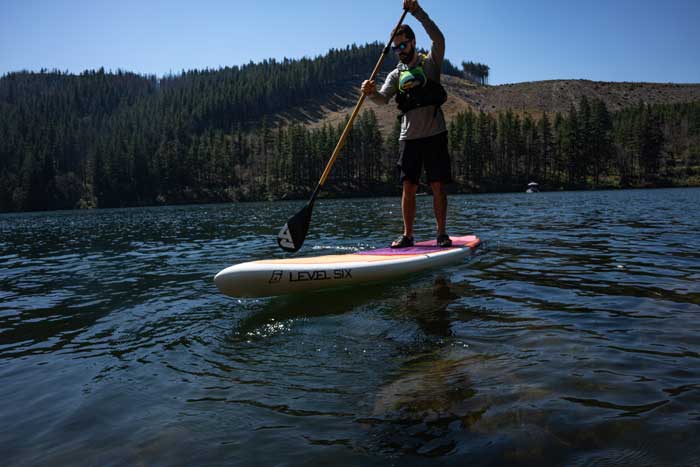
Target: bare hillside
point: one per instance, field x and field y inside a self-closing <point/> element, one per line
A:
<point x="558" y="95"/>
<point x="534" y="97"/>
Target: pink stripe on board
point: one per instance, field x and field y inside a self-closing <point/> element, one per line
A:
<point x="422" y="248"/>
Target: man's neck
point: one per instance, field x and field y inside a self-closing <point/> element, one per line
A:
<point x="414" y="61"/>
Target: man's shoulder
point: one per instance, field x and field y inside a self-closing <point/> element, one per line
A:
<point x="430" y="60"/>
<point x="393" y="74"/>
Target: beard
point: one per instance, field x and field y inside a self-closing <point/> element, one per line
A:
<point x="407" y="57"/>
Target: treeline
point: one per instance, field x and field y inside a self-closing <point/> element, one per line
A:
<point x="119" y="139"/>
<point x="585" y="148"/>
<point x="476" y="72"/>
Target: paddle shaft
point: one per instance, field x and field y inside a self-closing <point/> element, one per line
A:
<point x="344" y="135"/>
<point x="292" y="235"/>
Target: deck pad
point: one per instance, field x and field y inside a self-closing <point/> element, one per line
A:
<point x="422" y="248"/>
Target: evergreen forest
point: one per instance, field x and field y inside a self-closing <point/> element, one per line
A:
<point x="115" y="139"/>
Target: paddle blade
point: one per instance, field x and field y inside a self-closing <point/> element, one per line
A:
<point x="292" y="235"/>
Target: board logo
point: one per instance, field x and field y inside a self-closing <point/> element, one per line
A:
<point x="275" y="277"/>
<point x="333" y="274"/>
<point x="284" y="238"/>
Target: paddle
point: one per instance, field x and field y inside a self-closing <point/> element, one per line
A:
<point x="292" y="235"/>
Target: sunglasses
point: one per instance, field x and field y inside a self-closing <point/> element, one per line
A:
<point x="401" y="46"/>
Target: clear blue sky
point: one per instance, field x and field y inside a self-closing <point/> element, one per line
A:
<point x="521" y="40"/>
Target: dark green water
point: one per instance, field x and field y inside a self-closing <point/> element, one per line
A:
<point x="575" y="340"/>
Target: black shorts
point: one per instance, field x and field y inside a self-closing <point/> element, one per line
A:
<point x="430" y="152"/>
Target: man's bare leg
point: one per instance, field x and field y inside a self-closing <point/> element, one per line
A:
<point x="439" y="207"/>
<point x="408" y="207"/>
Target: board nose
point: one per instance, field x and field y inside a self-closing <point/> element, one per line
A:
<point x="220" y="280"/>
<point x="217" y="280"/>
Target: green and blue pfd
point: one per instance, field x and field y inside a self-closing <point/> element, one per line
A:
<point x="417" y="90"/>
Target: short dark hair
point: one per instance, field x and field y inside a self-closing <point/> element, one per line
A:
<point x="406" y="30"/>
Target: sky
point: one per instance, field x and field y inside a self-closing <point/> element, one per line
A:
<point x="521" y="40"/>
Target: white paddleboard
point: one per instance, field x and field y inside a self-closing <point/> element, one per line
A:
<point x="282" y="276"/>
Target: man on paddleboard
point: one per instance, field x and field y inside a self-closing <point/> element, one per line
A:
<point x="423" y="141"/>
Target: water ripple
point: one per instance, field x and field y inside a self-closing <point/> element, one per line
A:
<point x="573" y="341"/>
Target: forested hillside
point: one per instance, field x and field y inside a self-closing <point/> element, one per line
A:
<point x="265" y="131"/>
<point x="642" y="146"/>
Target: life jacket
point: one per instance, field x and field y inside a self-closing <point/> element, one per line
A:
<point x="417" y="90"/>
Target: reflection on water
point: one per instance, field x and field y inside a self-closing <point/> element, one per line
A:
<point x="573" y="341"/>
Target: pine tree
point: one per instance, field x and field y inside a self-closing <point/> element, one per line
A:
<point x="586" y="146"/>
<point x="651" y="141"/>
<point x="485" y="147"/>
<point x="470" y="159"/>
<point x="531" y="147"/>
<point x="545" y="151"/>
<point x="602" y="149"/>
<point x="560" y="149"/>
<point x="571" y="148"/>
<point x="391" y="153"/>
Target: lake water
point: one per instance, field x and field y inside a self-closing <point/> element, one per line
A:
<point x="574" y="340"/>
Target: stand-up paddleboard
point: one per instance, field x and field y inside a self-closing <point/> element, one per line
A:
<point x="282" y="276"/>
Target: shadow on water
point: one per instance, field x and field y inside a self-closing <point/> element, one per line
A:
<point x="414" y="413"/>
<point x="447" y="400"/>
<point x="422" y="297"/>
<point x="310" y="305"/>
